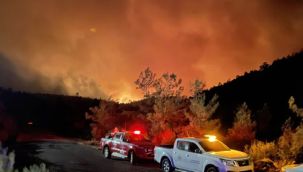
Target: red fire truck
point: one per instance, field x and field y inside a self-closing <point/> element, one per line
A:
<point x="131" y="145"/>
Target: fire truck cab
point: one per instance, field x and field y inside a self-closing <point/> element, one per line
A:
<point x="127" y="145"/>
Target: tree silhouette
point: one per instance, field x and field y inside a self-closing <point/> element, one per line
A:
<point x="146" y="82"/>
<point x="243" y="127"/>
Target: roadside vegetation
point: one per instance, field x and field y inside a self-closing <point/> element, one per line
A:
<point x="7" y="161"/>
<point x="286" y="150"/>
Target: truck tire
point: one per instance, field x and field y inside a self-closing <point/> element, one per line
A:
<point x="132" y="158"/>
<point x="106" y="152"/>
<point x="166" y="165"/>
<point x="211" y="169"/>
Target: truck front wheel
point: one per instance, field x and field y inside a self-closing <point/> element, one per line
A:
<point x="166" y="165"/>
<point x="132" y="158"/>
<point x="211" y="169"/>
<point x="106" y="152"/>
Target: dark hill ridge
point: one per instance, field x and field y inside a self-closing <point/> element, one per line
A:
<point x="50" y="113"/>
<point x="266" y="92"/>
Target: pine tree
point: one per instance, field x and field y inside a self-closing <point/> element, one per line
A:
<point x="243" y="127"/>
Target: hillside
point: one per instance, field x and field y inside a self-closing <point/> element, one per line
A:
<point x="266" y="92"/>
<point x="59" y="114"/>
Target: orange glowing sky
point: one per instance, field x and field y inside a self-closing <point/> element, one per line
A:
<point x="98" y="47"/>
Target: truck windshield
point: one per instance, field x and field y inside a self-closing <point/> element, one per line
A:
<point x="214" y="146"/>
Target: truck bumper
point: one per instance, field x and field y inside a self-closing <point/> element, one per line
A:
<point x="249" y="168"/>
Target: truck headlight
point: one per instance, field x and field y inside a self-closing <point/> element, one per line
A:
<point x="229" y="162"/>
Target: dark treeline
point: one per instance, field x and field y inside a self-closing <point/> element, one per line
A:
<point x="57" y="114"/>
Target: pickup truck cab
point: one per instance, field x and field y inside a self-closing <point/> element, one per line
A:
<point x="203" y="155"/>
<point x="127" y="145"/>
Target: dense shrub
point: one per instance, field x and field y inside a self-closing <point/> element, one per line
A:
<point x="286" y="150"/>
<point x="36" y="168"/>
<point x="102" y="118"/>
<point x="261" y="150"/>
<point x="7" y="160"/>
<point x="243" y="129"/>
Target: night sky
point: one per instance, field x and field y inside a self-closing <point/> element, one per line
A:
<point x="98" y="48"/>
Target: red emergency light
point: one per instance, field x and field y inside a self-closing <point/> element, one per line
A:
<point x="137" y="132"/>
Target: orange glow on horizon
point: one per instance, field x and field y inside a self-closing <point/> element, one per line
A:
<point x="98" y="49"/>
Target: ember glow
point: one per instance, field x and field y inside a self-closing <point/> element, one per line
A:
<point x="98" y="47"/>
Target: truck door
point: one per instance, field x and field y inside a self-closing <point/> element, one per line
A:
<point x="124" y="145"/>
<point x="116" y="144"/>
<point x="179" y="154"/>
<point x="194" y="158"/>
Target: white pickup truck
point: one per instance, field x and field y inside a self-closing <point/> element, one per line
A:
<point x="203" y="155"/>
<point x="293" y="168"/>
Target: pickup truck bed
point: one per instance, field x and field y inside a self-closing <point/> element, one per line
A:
<point x="163" y="150"/>
<point x="166" y="146"/>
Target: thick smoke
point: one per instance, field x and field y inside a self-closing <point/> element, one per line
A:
<point x="19" y="77"/>
<point x="108" y="42"/>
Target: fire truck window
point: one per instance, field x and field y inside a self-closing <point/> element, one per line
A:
<point x="117" y="136"/>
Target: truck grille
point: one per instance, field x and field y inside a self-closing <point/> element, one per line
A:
<point x="243" y="162"/>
